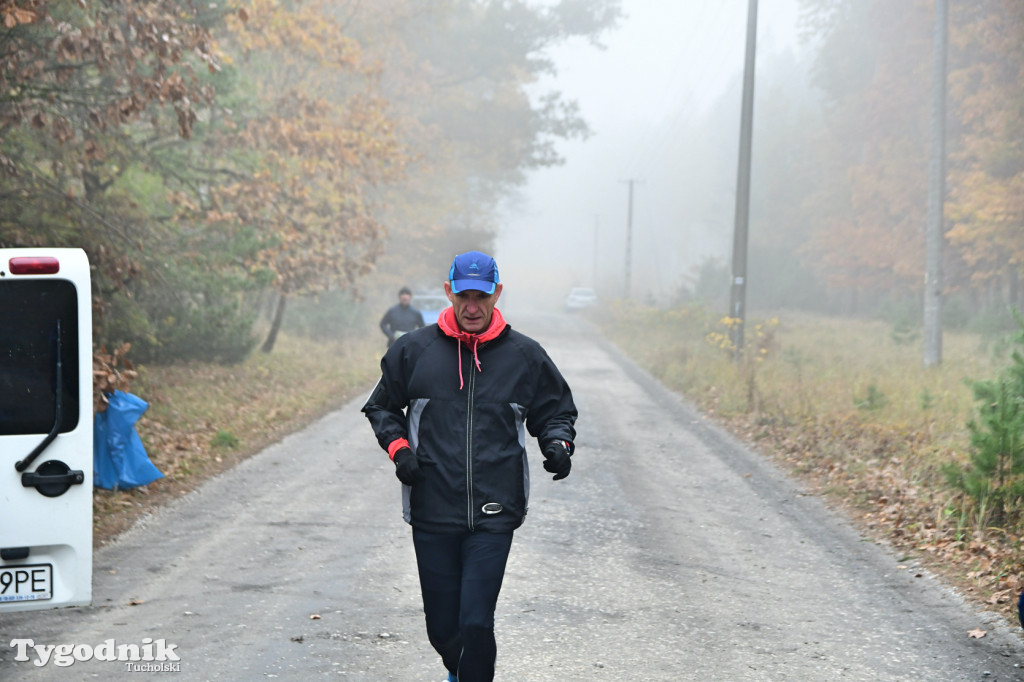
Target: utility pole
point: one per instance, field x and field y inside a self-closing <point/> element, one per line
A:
<point x="629" y="242"/>
<point x="936" y="192"/>
<point x="738" y="291"/>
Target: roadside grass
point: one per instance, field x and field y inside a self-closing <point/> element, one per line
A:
<point x="846" y="405"/>
<point x="204" y="418"/>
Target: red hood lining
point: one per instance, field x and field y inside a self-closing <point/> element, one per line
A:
<point x="449" y="325"/>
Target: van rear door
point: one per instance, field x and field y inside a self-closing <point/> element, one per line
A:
<point x="46" y="427"/>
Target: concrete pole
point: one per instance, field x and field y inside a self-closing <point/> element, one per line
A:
<point x="738" y="291"/>
<point x="936" y="193"/>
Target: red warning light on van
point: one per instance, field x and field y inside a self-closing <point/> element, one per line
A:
<point x="34" y="265"/>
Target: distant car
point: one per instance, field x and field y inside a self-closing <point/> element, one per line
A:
<point x="431" y="305"/>
<point x="580" y="298"/>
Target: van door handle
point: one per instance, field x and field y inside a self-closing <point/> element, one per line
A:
<point x="52" y="478"/>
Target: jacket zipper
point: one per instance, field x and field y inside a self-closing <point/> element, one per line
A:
<point x="469" y="446"/>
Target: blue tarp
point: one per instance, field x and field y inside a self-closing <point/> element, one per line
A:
<point x="119" y="458"/>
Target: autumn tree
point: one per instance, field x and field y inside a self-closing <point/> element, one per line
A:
<point x="986" y="202"/>
<point x="293" y="153"/>
<point x="78" y="80"/>
<point x="203" y="153"/>
<point x="114" y="139"/>
<point x="461" y="77"/>
<point x="94" y="93"/>
<point x="869" y="204"/>
<point x="870" y="197"/>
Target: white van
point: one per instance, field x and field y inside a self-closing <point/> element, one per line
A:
<point x="46" y="427"/>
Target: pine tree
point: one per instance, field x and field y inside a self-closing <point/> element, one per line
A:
<point x="994" y="475"/>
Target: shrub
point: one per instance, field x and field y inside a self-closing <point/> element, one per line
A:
<point x="927" y="400"/>
<point x="993" y="478"/>
<point x="873" y="400"/>
<point x="331" y="315"/>
<point x="225" y="439"/>
<point x="184" y="314"/>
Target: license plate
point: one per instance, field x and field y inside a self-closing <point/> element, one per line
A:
<point x="31" y="582"/>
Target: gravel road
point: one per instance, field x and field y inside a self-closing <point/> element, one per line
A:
<point x="672" y="553"/>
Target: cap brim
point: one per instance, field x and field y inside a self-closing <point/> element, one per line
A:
<point x="463" y="284"/>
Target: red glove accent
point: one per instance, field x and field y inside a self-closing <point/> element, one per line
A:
<point x="396" y="445"/>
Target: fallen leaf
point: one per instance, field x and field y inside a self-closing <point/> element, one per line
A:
<point x="976" y="634"/>
<point x="314" y="616"/>
<point x="999" y="597"/>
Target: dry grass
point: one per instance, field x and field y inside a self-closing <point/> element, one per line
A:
<point x="812" y="366"/>
<point x="847" y="406"/>
<point x="203" y="418"/>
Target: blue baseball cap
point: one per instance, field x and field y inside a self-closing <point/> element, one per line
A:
<point x="473" y="270"/>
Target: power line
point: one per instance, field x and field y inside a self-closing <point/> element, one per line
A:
<point x="658" y="144"/>
<point x="685" y="59"/>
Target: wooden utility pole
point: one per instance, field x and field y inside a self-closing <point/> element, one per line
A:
<point x="936" y="192"/>
<point x="738" y="292"/>
<point x="629" y="242"/>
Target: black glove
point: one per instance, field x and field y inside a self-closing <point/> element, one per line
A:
<point x="556" y="459"/>
<point x="406" y="467"/>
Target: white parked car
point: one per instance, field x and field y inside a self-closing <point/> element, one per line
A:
<point x="430" y="305"/>
<point x="580" y="298"/>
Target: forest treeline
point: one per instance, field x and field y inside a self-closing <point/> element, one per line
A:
<point x="213" y="156"/>
<point x="205" y="154"/>
<point x="841" y="172"/>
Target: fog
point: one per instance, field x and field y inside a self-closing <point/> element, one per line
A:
<point x="663" y="104"/>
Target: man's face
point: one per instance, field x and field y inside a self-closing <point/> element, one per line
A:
<point x="473" y="309"/>
<point x="405" y="300"/>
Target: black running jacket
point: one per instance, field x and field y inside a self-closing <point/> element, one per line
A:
<point x="465" y="406"/>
